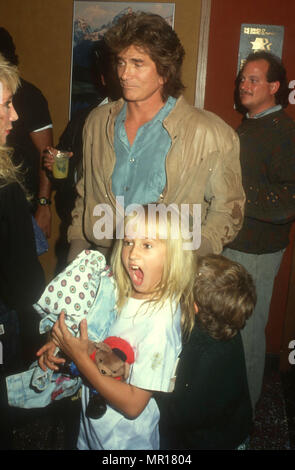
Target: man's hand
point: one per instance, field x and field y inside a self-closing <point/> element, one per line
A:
<point x="43" y="219"/>
<point x="48" y="157"/>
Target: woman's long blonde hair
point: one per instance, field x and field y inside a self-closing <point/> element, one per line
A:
<point x="9" y="77"/>
<point x="178" y="274"/>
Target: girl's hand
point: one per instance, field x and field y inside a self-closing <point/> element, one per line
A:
<point x="47" y="359"/>
<point x="127" y="398"/>
<point x="75" y="348"/>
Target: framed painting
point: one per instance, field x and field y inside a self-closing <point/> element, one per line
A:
<point x="91" y="19"/>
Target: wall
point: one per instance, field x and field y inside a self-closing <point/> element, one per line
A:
<point x="42" y="32"/>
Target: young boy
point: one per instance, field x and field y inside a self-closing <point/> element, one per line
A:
<point x="210" y="407"/>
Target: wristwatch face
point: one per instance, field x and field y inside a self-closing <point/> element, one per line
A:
<point x="43" y="201"/>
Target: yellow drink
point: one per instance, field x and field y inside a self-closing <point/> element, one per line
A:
<point x="61" y="165"/>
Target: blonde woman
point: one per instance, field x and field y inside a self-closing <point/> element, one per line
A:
<point x="21" y="275"/>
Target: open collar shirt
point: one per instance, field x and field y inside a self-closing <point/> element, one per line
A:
<point x="140" y="174"/>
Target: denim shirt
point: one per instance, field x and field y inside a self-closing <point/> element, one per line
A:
<point x="139" y="174"/>
<point x="85" y="289"/>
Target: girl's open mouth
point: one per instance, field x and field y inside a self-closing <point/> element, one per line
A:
<point x="136" y="275"/>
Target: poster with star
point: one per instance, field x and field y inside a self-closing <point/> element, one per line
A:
<point x="257" y="37"/>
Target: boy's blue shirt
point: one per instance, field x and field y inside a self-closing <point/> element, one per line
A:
<point x="85" y="289"/>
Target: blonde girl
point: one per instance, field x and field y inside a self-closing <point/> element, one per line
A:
<point x="152" y="273"/>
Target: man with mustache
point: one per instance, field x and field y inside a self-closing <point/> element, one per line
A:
<point x="267" y="140"/>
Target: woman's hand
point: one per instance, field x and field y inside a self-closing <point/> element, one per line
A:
<point x="47" y="359"/>
<point x="74" y="348"/>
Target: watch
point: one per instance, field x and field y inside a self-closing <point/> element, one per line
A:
<point x="43" y="201"/>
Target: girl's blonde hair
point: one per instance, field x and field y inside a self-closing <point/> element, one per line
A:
<point x="178" y="273"/>
<point x="9" y="78"/>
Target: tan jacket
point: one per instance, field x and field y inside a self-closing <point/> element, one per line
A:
<point x="202" y="167"/>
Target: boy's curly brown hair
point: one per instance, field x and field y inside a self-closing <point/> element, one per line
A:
<point x="225" y="295"/>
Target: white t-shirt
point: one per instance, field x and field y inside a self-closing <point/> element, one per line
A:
<point x="155" y="336"/>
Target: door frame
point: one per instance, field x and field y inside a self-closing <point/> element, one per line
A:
<point x="203" y="54"/>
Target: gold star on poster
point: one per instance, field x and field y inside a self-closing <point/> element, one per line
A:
<point x="261" y="44"/>
<point x="257" y="37"/>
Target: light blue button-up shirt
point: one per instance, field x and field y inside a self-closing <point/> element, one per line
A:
<point x="273" y="109"/>
<point x="139" y="174"/>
